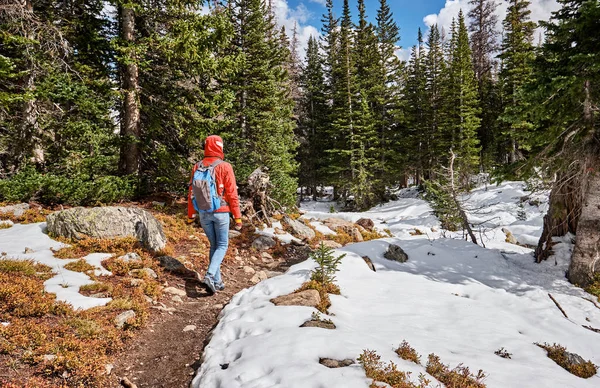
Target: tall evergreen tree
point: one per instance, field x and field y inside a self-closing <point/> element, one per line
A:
<point x="387" y="105"/>
<point x="263" y="134"/>
<point x="517" y="56"/>
<point x="343" y="168"/>
<point x="312" y="123"/>
<point x="564" y="103"/>
<point x="464" y="103"/>
<point x="415" y="107"/>
<point x="484" y="45"/>
<point x="435" y="115"/>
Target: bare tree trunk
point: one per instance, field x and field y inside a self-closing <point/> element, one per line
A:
<point x="461" y="212"/>
<point x="564" y="211"/>
<point x="585" y="261"/>
<point x="130" y="124"/>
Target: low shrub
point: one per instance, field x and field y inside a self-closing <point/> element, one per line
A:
<point x="406" y="352"/>
<point x="26" y="268"/>
<point x="96" y="288"/>
<point x="85" y="246"/>
<point x="558" y="354"/>
<point x="73" y="189"/>
<point x="387" y="373"/>
<point x="457" y="377"/>
<point x="79" y="266"/>
<point x="29" y="216"/>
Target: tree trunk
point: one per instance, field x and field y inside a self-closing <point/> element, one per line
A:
<point x="585" y="261"/>
<point x="564" y="211"/>
<point x="130" y="123"/>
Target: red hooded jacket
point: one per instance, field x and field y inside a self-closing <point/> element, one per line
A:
<point x="224" y="176"/>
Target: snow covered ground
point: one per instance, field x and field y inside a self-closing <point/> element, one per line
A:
<point x="14" y="242"/>
<point x="452" y="298"/>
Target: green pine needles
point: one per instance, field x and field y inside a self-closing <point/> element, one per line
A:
<point x="328" y="265"/>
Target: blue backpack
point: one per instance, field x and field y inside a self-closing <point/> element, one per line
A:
<point x="204" y="188"/>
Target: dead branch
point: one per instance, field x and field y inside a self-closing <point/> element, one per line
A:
<point x="591" y="328"/>
<point x="558" y="305"/>
<point x="592" y="302"/>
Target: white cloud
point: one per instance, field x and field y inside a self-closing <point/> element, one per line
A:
<point x="540" y="10"/>
<point x="288" y="17"/>
<point x="403" y="54"/>
<point x="322" y="2"/>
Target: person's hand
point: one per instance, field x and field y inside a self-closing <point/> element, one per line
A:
<point x="238" y="224"/>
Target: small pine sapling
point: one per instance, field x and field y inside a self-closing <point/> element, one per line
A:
<point x="328" y="264"/>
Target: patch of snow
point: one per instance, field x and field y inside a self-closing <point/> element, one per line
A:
<point x="65" y="284"/>
<point x="321" y="228"/>
<point x="453" y="298"/>
<point x="4" y="323"/>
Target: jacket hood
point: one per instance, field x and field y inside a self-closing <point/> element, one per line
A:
<point x="213" y="147"/>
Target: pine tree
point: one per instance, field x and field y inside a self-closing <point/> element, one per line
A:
<point x="263" y="134"/>
<point x="435" y="115"/>
<point x="343" y="167"/>
<point x="563" y="99"/>
<point x="517" y="56"/>
<point x="387" y="104"/>
<point x="369" y="170"/>
<point x="312" y="124"/>
<point x="464" y="104"/>
<point x="484" y="45"/>
<point x="415" y="104"/>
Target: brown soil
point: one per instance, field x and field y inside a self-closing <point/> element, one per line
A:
<point x="162" y="354"/>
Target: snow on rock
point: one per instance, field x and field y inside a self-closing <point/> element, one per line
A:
<point x="65" y="284"/>
<point x="453" y="298"/>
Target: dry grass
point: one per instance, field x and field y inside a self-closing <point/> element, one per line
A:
<point x="371" y="235"/>
<point x="557" y="353"/>
<point x="406" y="352"/>
<point x="96" y="288"/>
<point x="29" y="216"/>
<point x="79" y="266"/>
<point x="387" y="373"/>
<point x="5" y="225"/>
<point x="459" y="377"/>
<point x="342" y="237"/>
<point x="25" y="267"/>
<point x="83" y="247"/>
<point x="324" y="291"/>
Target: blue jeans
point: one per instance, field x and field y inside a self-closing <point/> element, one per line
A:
<point x="216" y="227"/>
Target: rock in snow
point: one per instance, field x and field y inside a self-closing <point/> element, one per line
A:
<point x="309" y="298"/>
<point x="108" y="222"/>
<point x="298" y="229"/>
<point x="395" y="253"/>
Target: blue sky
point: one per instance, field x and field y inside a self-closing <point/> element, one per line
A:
<point x="408" y="14"/>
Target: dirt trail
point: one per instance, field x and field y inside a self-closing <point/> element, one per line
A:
<point x="162" y="355"/>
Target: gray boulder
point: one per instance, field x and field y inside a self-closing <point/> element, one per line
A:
<point x="395" y="253"/>
<point x="299" y="229"/>
<point x="108" y="222"/>
<point x="331" y="363"/>
<point x="263" y="243"/>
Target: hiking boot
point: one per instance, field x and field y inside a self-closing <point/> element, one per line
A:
<point x="220" y="286"/>
<point x="210" y="284"/>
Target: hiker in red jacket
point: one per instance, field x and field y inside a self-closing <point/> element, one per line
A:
<point x="216" y="223"/>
